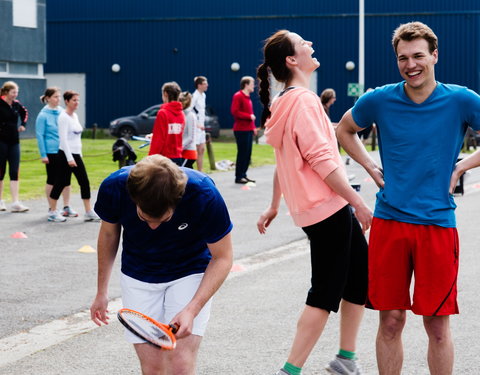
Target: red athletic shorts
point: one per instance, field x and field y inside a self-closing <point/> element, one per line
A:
<point x="396" y="250"/>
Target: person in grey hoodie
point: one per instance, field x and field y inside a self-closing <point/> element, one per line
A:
<point x="46" y="129"/>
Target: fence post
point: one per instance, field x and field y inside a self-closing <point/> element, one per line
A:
<point x="94" y="130"/>
<point x="211" y="156"/>
<point x="374" y="137"/>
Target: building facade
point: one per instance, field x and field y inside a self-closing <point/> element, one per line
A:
<point x="23" y="52"/>
<point x="125" y="50"/>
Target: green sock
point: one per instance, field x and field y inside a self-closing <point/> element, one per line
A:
<point x="346" y="354"/>
<point x="291" y="369"/>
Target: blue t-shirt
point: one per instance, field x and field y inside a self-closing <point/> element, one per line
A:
<point x="178" y="247"/>
<point x="419" y="146"/>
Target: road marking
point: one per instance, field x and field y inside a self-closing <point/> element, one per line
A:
<point x="21" y="345"/>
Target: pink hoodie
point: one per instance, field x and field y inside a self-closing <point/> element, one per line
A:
<point x="306" y="152"/>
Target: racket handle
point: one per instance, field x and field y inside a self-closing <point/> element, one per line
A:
<point x="174" y="327"/>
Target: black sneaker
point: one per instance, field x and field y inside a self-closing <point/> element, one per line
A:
<point x="242" y="180"/>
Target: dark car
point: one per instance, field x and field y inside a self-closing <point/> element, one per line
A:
<point x="143" y="123"/>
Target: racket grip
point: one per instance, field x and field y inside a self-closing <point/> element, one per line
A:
<point x="174" y="327"/>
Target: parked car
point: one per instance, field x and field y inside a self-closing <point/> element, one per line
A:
<point x="142" y="123"/>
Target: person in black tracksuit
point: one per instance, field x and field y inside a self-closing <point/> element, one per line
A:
<point x="12" y="112"/>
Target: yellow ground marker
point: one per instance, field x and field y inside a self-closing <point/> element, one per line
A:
<point x="87" y="249"/>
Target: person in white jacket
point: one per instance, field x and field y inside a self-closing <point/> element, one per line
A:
<point x="198" y="106"/>
<point x="70" y="156"/>
<point x="189" y="153"/>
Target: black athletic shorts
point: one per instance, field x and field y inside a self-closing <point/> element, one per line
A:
<point x="339" y="260"/>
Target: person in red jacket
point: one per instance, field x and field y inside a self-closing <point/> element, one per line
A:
<point x="169" y="124"/>
<point x="243" y="128"/>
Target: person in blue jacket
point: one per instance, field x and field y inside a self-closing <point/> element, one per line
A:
<point x="46" y="129"/>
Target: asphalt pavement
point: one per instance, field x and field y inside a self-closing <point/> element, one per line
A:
<point x="47" y="285"/>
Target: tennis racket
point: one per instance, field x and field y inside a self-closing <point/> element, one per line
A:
<point x="137" y="138"/>
<point x="155" y="333"/>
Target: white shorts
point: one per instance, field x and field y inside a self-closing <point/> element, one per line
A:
<point x="200" y="137"/>
<point x="163" y="301"/>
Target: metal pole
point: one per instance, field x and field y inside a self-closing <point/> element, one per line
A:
<point x="361" y="44"/>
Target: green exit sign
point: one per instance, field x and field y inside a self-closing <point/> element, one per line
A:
<point x="355" y="89"/>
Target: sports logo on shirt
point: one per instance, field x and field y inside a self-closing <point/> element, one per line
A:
<point x="182" y="226"/>
<point x="175" y="128"/>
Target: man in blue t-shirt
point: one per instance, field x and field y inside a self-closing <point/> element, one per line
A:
<point x="421" y="125"/>
<point x="176" y="252"/>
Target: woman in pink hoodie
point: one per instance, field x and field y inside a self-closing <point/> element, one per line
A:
<point x="311" y="176"/>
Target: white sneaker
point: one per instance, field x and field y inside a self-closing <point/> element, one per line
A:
<point x="56" y="217"/>
<point x="91" y="216"/>
<point x="18" y="207"/>
<point x="3" y="207"/>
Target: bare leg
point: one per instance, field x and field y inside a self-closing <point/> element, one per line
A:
<point x="87" y="205"/>
<point x="389" y="342"/>
<point x="1" y="190"/>
<point x="350" y="318"/>
<point x="181" y="361"/>
<point x="440" y="344"/>
<point x="200" y="152"/>
<point x="14" y="187"/>
<point x="309" y="328"/>
<point x="66" y="195"/>
<point x="52" y="203"/>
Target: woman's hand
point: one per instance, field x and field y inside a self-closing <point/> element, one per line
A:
<point x="265" y="219"/>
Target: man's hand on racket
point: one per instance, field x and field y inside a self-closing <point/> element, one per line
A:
<point x="266" y="219"/>
<point x="184" y="321"/>
<point x="98" y="310"/>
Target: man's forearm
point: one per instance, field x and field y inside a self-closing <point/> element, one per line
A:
<point x="107" y="247"/>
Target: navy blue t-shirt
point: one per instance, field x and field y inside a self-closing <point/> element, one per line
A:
<point x="419" y="146"/>
<point x="178" y="247"/>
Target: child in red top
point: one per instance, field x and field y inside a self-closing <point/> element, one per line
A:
<point x="169" y="124"/>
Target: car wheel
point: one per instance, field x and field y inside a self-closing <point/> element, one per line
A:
<point x="126" y="132"/>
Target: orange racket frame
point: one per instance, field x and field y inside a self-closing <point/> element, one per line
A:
<point x="169" y="330"/>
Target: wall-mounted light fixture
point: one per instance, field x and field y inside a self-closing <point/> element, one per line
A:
<point x="115" y="68"/>
<point x="350" y="65"/>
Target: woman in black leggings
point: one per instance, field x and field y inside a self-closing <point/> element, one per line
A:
<point x="70" y="157"/>
<point x="11" y="113"/>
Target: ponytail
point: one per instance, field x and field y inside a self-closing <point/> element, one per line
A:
<point x="276" y="49"/>
<point x="264" y="92"/>
<point x="49" y="92"/>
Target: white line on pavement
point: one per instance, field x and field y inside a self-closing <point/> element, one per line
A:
<point x="18" y="346"/>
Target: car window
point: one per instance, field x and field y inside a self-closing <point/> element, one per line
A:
<point x="152" y="112"/>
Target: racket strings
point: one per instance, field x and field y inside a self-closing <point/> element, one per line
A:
<point x="147" y="329"/>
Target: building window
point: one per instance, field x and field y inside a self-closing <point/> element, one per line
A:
<point x="20" y="70"/>
<point x="25" y="13"/>
<point x="23" y="68"/>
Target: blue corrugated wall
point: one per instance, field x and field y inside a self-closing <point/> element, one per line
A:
<point x="154" y="44"/>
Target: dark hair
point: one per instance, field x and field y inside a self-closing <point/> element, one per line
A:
<point x="172" y="89"/>
<point x="326" y="95"/>
<point x="414" y="30"/>
<point x="156" y="185"/>
<point x="199" y="80"/>
<point x="69" y="94"/>
<point x="277" y="47"/>
<point x="49" y="92"/>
